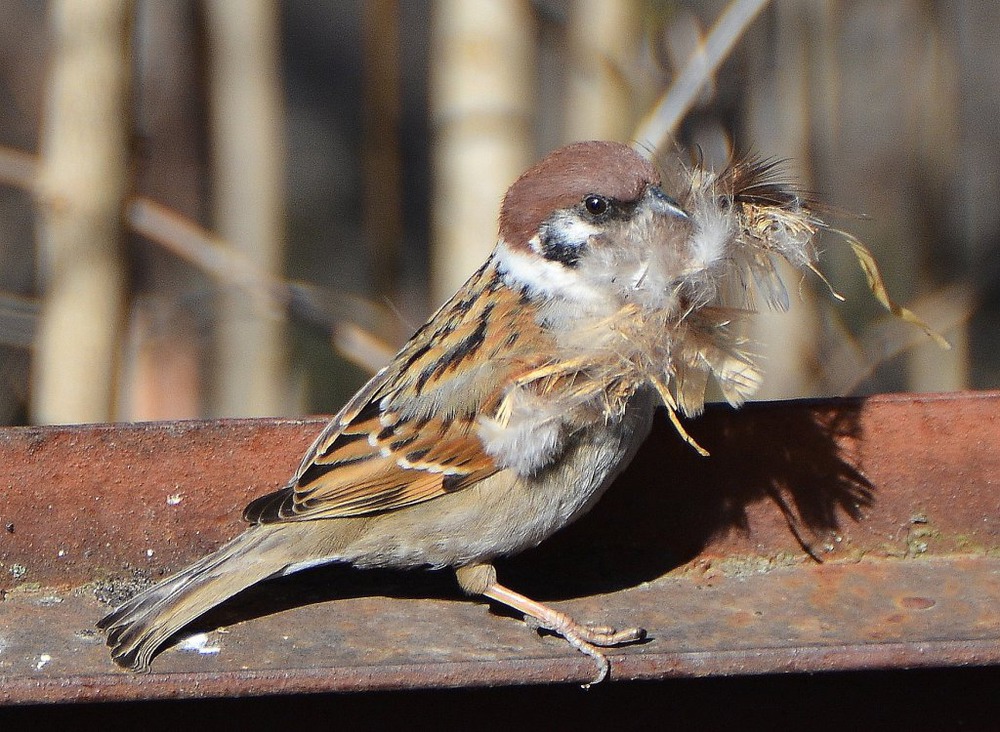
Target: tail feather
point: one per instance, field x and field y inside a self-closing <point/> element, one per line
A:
<point x="137" y="629"/>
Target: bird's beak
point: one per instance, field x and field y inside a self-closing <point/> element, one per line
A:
<point x="664" y="204"/>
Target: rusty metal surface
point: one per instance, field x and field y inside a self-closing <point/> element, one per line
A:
<point x="898" y="494"/>
<point x="80" y="501"/>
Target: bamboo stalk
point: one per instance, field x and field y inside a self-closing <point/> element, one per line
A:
<point x="248" y="157"/>
<point x="603" y="34"/>
<point x="81" y="186"/>
<point x="482" y="96"/>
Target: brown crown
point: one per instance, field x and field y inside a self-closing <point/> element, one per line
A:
<point x="562" y="179"/>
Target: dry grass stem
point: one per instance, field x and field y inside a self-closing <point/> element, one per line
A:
<point x="655" y="130"/>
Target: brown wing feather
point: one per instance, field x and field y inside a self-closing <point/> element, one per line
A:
<point x="385" y="450"/>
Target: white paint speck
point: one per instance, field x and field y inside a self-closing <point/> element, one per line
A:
<point x="150" y="552"/>
<point x="62" y="552"/>
<point x="197" y="643"/>
<point x="174" y="498"/>
<point x="43" y="661"/>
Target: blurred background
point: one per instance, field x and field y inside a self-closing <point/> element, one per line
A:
<point x="242" y="207"/>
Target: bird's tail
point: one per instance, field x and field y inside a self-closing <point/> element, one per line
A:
<point x="139" y="627"/>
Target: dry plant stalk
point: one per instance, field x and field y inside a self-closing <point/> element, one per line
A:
<point x="248" y="150"/>
<point x="81" y="186"/>
<point x="600" y="103"/>
<point x="482" y="74"/>
<point x="660" y="123"/>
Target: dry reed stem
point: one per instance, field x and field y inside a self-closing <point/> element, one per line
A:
<point x="80" y="188"/>
<point x="657" y="127"/>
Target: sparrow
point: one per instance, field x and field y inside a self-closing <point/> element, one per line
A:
<point x="510" y="412"/>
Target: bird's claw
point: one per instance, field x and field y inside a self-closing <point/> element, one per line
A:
<point x="589" y="640"/>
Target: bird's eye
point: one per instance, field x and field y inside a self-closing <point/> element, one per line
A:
<point x="595" y="205"/>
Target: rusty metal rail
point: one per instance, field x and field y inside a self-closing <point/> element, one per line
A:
<point x="898" y="495"/>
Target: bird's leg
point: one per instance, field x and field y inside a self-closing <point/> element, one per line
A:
<point x="480" y="579"/>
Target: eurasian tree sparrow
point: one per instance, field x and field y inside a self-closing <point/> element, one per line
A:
<point x="509" y="413"/>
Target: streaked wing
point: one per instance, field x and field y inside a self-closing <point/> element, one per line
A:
<point x="410" y="434"/>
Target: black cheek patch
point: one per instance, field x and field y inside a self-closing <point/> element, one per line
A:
<point x="560" y="248"/>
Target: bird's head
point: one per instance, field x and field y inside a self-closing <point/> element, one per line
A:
<point x="621" y="272"/>
<point x="591" y="224"/>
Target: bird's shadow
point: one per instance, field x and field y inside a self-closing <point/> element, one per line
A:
<point x="671" y="503"/>
<point x="661" y="513"/>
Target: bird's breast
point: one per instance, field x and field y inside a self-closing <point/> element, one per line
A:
<point x="507" y="513"/>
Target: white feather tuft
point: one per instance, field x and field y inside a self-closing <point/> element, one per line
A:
<point x="712" y="237"/>
<point x="526" y="434"/>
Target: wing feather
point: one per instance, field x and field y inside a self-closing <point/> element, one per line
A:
<point x="385" y="450"/>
